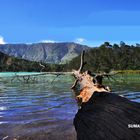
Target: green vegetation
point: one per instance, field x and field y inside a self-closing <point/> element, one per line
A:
<point x="8" y="63"/>
<point x="110" y="57"/>
<point x="128" y="71"/>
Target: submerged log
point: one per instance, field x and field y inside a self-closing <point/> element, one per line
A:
<point x="107" y="116"/>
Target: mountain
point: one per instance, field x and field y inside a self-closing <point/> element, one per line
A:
<point x="44" y="52"/>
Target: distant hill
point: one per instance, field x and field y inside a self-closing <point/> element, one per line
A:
<point x="44" y="52"/>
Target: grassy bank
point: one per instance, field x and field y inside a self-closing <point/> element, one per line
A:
<point x="128" y="71"/>
<point x="127" y="76"/>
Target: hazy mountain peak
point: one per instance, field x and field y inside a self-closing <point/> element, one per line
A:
<point x="44" y="52"/>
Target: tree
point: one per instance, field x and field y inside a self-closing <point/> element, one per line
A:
<point x="122" y="44"/>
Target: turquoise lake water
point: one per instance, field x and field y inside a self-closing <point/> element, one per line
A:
<point x="10" y="74"/>
<point x="44" y="107"/>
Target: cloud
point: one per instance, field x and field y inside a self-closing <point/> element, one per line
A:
<point x="2" y="40"/>
<point x="47" y="41"/>
<point x="80" y="40"/>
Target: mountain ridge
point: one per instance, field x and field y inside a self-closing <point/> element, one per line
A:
<point x="44" y="52"/>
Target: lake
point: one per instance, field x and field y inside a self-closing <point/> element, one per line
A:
<point x="43" y="108"/>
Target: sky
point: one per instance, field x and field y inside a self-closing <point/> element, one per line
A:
<point x="89" y="22"/>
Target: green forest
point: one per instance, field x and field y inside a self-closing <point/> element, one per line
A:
<point x="109" y="57"/>
<point x="9" y="63"/>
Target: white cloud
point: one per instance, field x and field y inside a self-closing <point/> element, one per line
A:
<point x="47" y="41"/>
<point x="80" y="40"/>
<point x="2" y="40"/>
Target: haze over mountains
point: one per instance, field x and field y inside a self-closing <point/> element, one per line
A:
<point x="44" y="52"/>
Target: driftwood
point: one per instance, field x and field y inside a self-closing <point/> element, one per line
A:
<point x="26" y="78"/>
<point x="88" y="84"/>
<point x="103" y="115"/>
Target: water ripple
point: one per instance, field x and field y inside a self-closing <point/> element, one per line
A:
<point x="27" y="109"/>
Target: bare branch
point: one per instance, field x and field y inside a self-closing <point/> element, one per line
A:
<point x="43" y="67"/>
<point x="76" y="73"/>
<point x="82" y="61"/>
<point x="108" y="74"/>
<point x="99" y="76"/>
<point x="74" y="84"/>
<point x="57" y="75"/>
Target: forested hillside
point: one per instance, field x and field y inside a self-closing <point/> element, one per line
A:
<point x="110" y="57"/>
<point x="8" y="63"/>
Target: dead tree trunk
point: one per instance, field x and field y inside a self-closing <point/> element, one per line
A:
<point x="103" y="115"/>
<point x="88" y="84"/>
<point x="107" y="116"/>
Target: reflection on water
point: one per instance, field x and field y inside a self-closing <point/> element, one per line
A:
<point x="44" y="110"/>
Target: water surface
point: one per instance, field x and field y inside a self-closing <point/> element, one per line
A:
<point x="44" y="108"/>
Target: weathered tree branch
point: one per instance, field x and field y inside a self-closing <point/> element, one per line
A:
<point x="79" y="70"/>
<point x="43" y="67"/>
<point x="74" y="84"/>
<point x="82" y="61"/>
<point x="88" y="83"/>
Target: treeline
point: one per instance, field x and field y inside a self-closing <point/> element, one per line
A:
<point x="109" y="57"/>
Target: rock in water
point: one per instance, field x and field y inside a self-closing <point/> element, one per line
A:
<point x="107" y="116"/>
